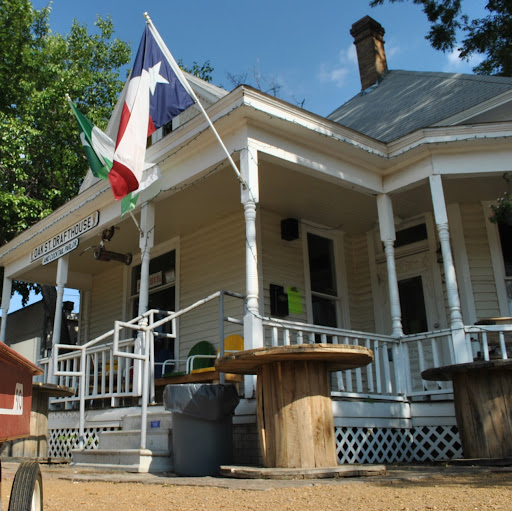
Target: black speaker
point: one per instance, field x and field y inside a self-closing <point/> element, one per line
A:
<point x="289" y="229"/>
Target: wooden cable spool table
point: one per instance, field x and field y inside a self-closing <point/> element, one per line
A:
<point x="482" y="395"/>
<point x="294" y="408"/>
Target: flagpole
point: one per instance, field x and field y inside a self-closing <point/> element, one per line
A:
<point x="190" y="91"/>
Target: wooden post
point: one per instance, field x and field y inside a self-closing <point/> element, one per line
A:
<point x="296" y="425"/>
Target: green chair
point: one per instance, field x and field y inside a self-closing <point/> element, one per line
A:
<point x="201" y="355"/>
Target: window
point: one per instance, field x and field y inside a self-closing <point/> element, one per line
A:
<point x="322" y="276"/>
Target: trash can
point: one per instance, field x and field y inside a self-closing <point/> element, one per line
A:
<point x="201" y="426"/>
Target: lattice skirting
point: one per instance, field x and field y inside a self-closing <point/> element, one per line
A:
<point x="392" y="445"/>
<point x="62" y="441"/>
<point x="353" y="444"/>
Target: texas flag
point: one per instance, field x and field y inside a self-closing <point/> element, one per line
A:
<point x="154" y="96"/>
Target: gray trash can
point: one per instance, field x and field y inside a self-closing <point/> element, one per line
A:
<point x="201" y="426"/>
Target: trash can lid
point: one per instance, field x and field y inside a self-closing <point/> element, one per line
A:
<point x="206" y="401"/>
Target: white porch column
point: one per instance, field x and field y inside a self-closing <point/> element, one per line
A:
<point x="146" y="242"/>
<point x="387" y="236"/>
<point x="6" y="301"/>
<point x="62" y="278"/>
<point x="462" y="350"/>
<point x="253" y="328"/>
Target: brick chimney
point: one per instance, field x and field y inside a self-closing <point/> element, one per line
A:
<point x="368" y="38"/>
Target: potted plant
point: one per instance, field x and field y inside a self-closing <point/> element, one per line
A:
<point x="502" y="211"/>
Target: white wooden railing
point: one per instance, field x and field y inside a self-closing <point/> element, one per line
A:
<point x="490" y="342"/>
<point x="380" y="379"/>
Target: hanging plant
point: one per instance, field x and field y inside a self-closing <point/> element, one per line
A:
<point x="502" y="211"/>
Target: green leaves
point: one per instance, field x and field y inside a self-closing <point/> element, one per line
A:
<point x="41" y="158"/>
<point x="490" y="36"/>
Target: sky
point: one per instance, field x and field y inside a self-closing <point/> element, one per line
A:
<point x="304" y="46"/>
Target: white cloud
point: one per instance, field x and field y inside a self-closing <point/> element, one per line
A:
<point x="454" y="64"/>
<point x="338" y="72"/>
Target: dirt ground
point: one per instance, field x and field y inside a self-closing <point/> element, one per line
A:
<point x="402" y="489"/>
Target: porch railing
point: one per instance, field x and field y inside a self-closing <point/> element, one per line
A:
<point x="489" y="342"/>
<point x="379" y="380"/>
<point x="114" y="367"/>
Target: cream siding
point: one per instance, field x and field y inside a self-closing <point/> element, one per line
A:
<point x="359" y="283"/>
<point x="106" y="304"/>
<point x="212" y="259"/>
<point x="283" y="262"/>
<point x="479" y="259"/>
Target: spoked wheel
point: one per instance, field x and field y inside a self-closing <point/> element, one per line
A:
<point x="27" y="488"/>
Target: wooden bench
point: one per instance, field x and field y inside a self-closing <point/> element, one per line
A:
<point x="200" y="377"/>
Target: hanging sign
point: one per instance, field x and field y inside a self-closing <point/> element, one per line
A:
<point x="65" y="249"/>
<point x="65" y="237"/>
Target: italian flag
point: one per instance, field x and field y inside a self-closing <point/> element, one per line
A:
<point x="99" y="148"/>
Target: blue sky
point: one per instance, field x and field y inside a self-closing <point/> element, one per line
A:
<point x="304" y="46"/>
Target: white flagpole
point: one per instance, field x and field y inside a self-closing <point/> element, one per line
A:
<point x="188" y="88"/>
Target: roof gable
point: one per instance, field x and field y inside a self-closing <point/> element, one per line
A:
<point x="405" y="101"/>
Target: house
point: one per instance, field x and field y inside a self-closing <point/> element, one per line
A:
<point x="369" y="227"/>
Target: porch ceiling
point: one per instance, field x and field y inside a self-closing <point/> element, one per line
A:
<point x="293" y="193"/>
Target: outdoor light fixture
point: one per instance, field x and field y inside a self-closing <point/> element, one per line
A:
<point x="101" y="254"/>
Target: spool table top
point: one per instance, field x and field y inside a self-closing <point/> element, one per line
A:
<point x="446" y="373"/>
<point x="337" y="357"/>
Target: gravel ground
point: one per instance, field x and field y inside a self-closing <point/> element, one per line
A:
<point x="404" y="488"/>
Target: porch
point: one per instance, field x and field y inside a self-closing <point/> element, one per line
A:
<point x="384" y="412"/>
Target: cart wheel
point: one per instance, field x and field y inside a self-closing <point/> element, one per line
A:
<point x="27" y="488"/>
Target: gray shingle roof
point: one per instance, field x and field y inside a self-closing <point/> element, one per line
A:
<point x="405" y="101"/>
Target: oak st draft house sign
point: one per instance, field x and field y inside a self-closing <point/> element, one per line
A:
<point x="65" y="241"/>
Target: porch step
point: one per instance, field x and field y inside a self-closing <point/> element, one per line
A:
<point x="128" y="460"/>
<point x="156" y="420"/>
<point x="156" y="439"/>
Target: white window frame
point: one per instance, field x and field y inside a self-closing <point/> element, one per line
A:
<point x="337" y="237"/>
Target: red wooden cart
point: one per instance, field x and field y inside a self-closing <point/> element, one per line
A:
<point x="16" y="374"/>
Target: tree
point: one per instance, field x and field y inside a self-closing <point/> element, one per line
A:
<point x="490" y="36"/>
<point x="41" y="158"/>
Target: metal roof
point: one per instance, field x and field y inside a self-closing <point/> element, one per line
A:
<point x="405" y="101"/>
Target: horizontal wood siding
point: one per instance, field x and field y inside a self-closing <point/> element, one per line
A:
<point x="479" y="259"/>
<point x="282" y="261"/>
<point x="211" y="259"/>
<point x="359" y="283"/>
<point x="106" y="304"/>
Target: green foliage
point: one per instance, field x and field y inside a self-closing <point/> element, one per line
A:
<point x="490" y="36"/>
<point x="502" y="211"/>
<point x="41" y="158"/>
<point x="203" y="71"/>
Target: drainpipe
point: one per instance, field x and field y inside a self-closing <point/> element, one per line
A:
<point x="6" y="301"/>
<point x="461" y="349"/>
<point x="253" y="328"/>
<point x="62" y="278"/>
